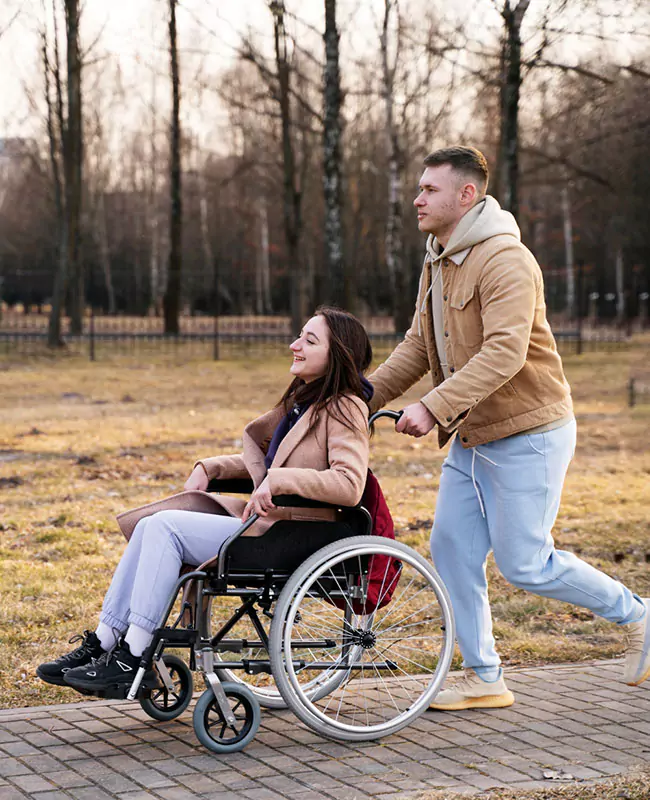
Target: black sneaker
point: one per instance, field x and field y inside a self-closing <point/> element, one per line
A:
<point x="54" y="671"/>
<point x="116" y="668"/>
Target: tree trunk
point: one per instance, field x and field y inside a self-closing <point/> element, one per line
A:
<point x="172" y="298"/>
<point x="54" y="338"/>
<point x="66" y="148"/>
<point x="292" y="205"/>
<point x="568" y="255"/>
<point x="394" y="239"/>
<point x="73" y="166"/>
<point x="263" y="271"/>
<point x="104" y="251"/>
<point x="337" y="277"/>
<point x="620" y="286"/>
<point x="508" y="164"/>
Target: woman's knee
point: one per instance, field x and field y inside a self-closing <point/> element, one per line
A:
<point x="160" y="529"/>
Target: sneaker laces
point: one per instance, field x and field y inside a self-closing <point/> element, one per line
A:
<point x="466" y="682"/>
<point x="634" y="633"/>
<point x="107" y="655"/>
<point x="84" y="639"/>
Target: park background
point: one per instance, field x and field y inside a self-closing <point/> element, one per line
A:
<point x="181" y="183"/>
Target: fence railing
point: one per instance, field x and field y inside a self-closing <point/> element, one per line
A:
<point x="203" y="337"/>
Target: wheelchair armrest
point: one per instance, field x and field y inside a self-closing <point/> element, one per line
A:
<point x="296" y="501"/>
<point x="231" y="486"/>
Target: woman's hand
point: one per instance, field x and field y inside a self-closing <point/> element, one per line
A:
<point x="197" y="480"/>
<point x="261" y="501"/>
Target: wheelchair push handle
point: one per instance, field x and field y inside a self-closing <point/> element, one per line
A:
<point x="385" y="413"/>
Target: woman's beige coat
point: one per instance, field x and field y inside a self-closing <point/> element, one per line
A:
<point x="328" y="463"/>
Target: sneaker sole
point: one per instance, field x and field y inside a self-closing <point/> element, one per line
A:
<point x="503" y="700"/>
<point x="148" y="682"/>
<point x="640" y="680"/>
<point x="51" y="679"/>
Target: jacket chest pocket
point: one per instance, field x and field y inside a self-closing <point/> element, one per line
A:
<point x="465" y="317"/>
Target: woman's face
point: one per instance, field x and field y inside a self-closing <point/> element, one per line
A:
<point x="311" y="350"/>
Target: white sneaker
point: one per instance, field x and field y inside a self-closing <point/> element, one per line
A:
<point x="470" y="691"/>
<point x="637" y="654"/>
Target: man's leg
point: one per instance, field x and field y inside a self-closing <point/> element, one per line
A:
<point x="521" y="480"/>
<point x="522" y="491"/>
<point x="459" y="547"/>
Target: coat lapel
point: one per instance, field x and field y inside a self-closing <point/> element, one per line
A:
<point x="293" y="438"/>
<point x="256" y="434"/>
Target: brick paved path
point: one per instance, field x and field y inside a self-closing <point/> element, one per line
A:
<point x="575" y="720"/>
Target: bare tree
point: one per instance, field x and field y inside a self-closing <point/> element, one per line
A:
<point x="394" y="242"/>
<point x="292" y="205"/>
<point x="172" y="298"/>
<point x="341" y="289"/>
<point x="510" y="85"/>
<point x="69" y="279"/>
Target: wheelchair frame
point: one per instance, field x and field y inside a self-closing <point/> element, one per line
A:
<point x="323" y="637"/>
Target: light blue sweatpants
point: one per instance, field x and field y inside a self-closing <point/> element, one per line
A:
<point x="151" y="563"/>
<point x="504" y="496"/>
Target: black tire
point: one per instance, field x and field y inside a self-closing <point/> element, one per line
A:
<point x="163" y="705"/>
<point x="211" y="728"/>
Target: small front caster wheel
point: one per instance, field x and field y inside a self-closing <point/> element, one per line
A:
<point x="163" y="704"/>
<point x="212" y="729"/>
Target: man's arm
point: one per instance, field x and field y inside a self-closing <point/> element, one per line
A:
<point x="404" y="366"/>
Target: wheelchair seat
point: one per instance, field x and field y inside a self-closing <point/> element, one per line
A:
<point x="288" y="543"/>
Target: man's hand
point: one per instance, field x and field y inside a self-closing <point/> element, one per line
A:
<point x="416" y="420"/>
<point x="261" y="501"/>
<point x="197" y="480"/>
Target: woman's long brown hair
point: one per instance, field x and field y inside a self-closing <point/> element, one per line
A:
<point x="350" y="355"/>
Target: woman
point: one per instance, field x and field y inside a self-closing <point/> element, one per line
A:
<point x="314" y="443"/>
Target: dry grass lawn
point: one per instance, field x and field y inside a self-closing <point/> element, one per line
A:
<point x="80" y="442"/>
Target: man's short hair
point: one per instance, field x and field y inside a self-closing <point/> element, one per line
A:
<point x="467" y="160"/>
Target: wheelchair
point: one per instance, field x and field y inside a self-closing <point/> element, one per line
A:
<point x="351" y="631"/>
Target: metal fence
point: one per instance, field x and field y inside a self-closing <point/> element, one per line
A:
<point x="203" y="337"/>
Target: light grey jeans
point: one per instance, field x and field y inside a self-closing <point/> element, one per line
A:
<point x="151" y="563"/>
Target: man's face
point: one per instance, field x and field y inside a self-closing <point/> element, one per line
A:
<point x="438" y="203"/>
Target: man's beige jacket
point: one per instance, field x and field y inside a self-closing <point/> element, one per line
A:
<point x="505" y="374"/>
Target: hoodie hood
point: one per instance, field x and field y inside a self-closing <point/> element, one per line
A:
<point x="485" y="220"/>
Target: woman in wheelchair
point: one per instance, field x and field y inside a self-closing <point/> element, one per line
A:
<point x="314" y="443"/>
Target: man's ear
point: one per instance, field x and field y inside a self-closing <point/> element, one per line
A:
<point x="468" y="194"/>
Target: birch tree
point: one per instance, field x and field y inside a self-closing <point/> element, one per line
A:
<point x="341" y="292"/>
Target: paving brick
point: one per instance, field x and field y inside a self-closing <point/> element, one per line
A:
<point x="201" y="784"/>
<point x="11" y="766"/>
<point x="11" y="793"/>
<point x="66" y="778"/>
<point x="32" y="783"/>
<point x="90" y="793"/>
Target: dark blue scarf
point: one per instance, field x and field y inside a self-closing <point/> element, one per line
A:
<point x="289" y="420"/>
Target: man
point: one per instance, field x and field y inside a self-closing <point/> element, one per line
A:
<point x="480" y="330"/>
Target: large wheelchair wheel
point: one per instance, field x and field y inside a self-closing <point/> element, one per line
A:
<point x="164" y="704"/>
<point x="387" y="658"/>
<point x="211" y="727"/>
<point x="261" y="684"/>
